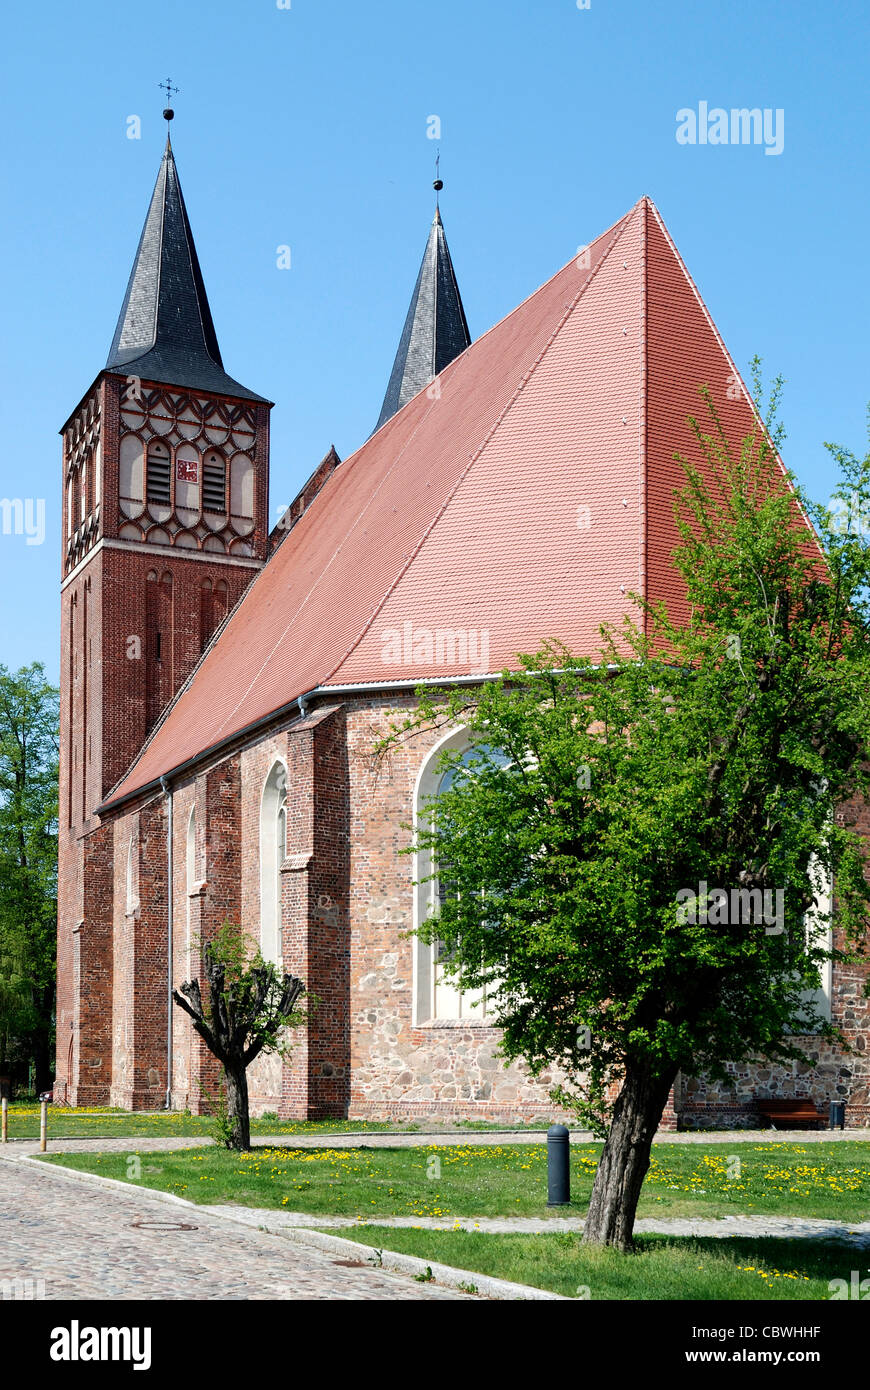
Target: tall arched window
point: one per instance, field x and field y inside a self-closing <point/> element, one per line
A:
<point x="190" y="873"/>
<point x="214" y="483"/>
<point x="132" y="884"/>
<point x="273" y="852"/>
<point x="435" y="996"/>
<point x="158" y="479"/>
<point x="818" y="928"/>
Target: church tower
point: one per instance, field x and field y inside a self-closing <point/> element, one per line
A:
<point x="435" y="328"/>
<point x="165" y="524"/>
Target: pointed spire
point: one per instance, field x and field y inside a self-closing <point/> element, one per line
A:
<point x="435" y="329"/>
<point x="165" y="331"/>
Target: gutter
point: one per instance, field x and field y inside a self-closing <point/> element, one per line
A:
<point x="164" y="783"/>
<point x="300" y="704"/>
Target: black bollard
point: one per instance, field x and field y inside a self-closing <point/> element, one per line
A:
<point x="837" y="1115"/>
<point x="558" y="1166"/>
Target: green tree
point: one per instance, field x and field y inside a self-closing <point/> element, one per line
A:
<point x="246" y="1011"/>
<point x="28" y="868"/>
<point x="637" y="847"/>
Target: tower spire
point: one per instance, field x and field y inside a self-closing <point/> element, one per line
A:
<point x="436" y="329"/>
<point x="165" y="331"/>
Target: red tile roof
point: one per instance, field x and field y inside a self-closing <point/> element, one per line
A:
<point x="521" y="496"/>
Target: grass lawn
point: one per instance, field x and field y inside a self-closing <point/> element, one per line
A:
<point x="793" y="1179"/>
<point x="67" y="1123"/>
<point x="663" y="1267"/>
<point x="105" y="1123"/>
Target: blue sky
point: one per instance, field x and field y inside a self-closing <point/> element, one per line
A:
<point x="307" y="126"/>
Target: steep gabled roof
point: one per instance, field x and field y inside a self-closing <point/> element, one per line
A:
<point x="435" y="329"/>
<point x="522" y="501"/>
<point x="165" y="331"/>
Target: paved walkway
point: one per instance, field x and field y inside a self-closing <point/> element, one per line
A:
<point x="810" y="1228"/>
<point x="94" y="1242"/>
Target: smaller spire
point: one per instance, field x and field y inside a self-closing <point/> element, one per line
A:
<point x="436" y="329"/>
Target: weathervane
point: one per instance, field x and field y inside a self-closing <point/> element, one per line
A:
<point x="439" y="182"/>
<point x="171" y="91"/>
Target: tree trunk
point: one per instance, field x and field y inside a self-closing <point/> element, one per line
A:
<point x="625" y="1158"/>
<point x="237" y="1107"/>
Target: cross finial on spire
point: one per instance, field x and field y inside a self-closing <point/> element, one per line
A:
<point x="170" y="91"/>
<point x="439" y="182"/>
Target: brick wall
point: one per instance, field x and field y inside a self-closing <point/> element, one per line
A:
<point x="347" y="904"/>
<point x="443" y="1069"/>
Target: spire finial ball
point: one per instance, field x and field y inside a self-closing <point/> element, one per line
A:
<point x="168" y="114"/>
<point x="438" y="185"/>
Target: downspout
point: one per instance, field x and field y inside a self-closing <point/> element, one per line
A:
<point x="167" y="790"/>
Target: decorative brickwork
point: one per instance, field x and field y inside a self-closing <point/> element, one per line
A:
<point x="136" y="614"/>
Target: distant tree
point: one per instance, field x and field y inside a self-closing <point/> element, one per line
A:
<point x="635" y="852"/>
<point x="28" y="869"/>
<point x="247" y="1007"/>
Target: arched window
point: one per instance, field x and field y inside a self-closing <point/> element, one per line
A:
<point x="817" y="925"/>
<point x="158" y="477"/>
<point x="213" y="604"/>
<point x="131" y="475"/>
<point x="190" y="851"/>
<point x="190" y="873"/>
<point x="132" y="884"/>
<point x="273" y="852"/>
<point x="435" y="996"/>
<point x="242" y="493"/>
<point x="214" y="483"/>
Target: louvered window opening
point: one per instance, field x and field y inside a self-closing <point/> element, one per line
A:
<point x="214" y="487"/>
<point x="159" y="480"/>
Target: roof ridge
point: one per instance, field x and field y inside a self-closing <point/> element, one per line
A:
<point x="503" y="413"/>
<point x="730" y="360"/>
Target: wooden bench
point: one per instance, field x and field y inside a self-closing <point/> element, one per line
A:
<point x="790" y="1114"/>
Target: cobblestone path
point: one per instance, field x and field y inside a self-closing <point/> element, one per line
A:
<point x="95" y="1242"/>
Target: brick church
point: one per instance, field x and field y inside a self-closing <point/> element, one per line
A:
<point x="223" y="684"/>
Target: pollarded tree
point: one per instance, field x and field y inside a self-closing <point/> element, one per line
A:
<point x="247" y="1007"/>
<point x="638" y="851"/>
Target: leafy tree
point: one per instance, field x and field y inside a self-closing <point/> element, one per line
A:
<point x="28" y="868"/>
<point x="247" y="1007"/>
<point x="636" y="850"/>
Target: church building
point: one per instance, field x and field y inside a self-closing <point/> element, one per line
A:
<point x="224" y="684"/>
